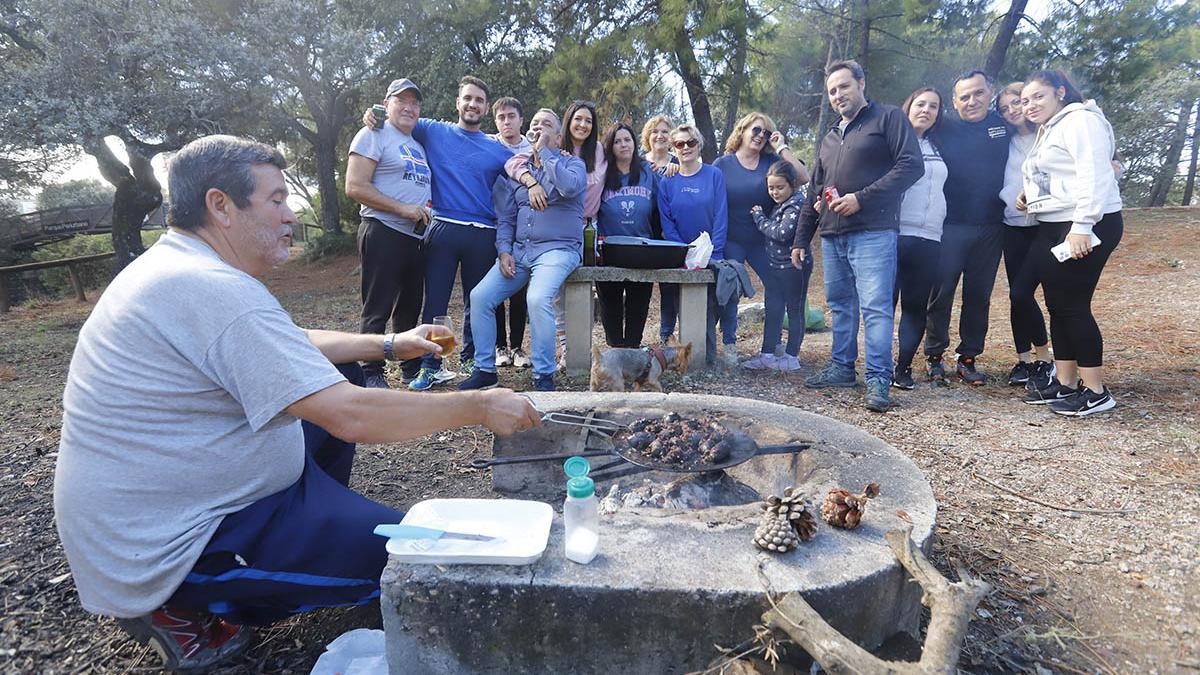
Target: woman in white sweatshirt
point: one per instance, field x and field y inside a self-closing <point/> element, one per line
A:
<point x="1034" y="368"/>
<point x="1071" y="189"/>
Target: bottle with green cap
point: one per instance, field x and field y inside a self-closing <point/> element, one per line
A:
<point x="581" y="512"/>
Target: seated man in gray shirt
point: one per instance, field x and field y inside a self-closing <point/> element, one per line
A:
<point x="189" y="495"/>
<point x="535" y="246"/>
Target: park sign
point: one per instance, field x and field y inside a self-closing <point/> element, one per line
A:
<point x="31" y="230"/>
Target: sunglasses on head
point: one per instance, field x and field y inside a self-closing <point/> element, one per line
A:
<point x="758" y="131"/>
<point x="689" y="143"/>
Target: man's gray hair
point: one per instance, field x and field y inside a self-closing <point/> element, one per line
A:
<point x="988" y="81"/>
<point x="551" y="113"/>
<point x="850" y="65"/>
<point x="220" y="162"/>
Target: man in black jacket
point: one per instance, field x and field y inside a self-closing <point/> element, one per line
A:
<point x="974" y="145"/>
<point x="864" y="165"/>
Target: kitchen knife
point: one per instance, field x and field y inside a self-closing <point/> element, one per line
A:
<point x="416" y="532"/>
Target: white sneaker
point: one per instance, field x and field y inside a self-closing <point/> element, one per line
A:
<point x="519" y="360"/>
<point x="503" y="358"/>
<point x="759" y="362"/>
<point x="787" y="363"/>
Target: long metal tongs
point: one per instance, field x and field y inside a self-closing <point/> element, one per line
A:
<point x="606" y="428"/>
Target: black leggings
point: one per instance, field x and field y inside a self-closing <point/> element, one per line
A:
<point x="1028" y="325"/>
<point x="623" y="309"/>
<point x="917" y="265"/>
<point x="1069" y="287"/>
<point x="785" y="290"/>
<point x="518" y="312"/>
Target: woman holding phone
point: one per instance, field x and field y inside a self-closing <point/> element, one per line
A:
<point x="1071" y="189"/>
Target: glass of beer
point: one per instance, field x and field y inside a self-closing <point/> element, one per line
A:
<point x="444" y="335"/>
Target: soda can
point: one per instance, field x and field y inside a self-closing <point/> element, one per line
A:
<point x="831" y="193"/>
<point x="380" y="113"/>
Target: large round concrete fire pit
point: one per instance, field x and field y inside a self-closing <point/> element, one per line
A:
<point x="669" y="583"/>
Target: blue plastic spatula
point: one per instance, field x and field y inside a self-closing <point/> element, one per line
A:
<point x="417" y="532"/>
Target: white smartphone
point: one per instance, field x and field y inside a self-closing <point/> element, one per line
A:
<point x="1063" y="251"/>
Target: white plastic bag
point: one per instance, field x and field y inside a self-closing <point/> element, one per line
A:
<point x="699" y="251"/>
<point x="358" y="652"/>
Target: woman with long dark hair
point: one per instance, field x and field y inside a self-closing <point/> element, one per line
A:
<point x="1034" y="367"/>
<point x="628" y="207"/>
<point x="919" y="244"/>
<point x="1071" y="188"/>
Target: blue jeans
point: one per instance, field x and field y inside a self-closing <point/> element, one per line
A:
<point x="754" y="255"/>
<point x="545" y="275"/>
<point x="448" y="246"/>
<point x="860" y="269"/>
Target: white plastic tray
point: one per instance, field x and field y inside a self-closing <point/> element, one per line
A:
<point x="522" y="528"/>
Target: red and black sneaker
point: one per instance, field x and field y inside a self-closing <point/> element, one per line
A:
<point x="967" y="372"/>
<point x="187" y="640"/>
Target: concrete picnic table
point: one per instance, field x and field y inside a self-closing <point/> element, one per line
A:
<point x="693" y="308"/>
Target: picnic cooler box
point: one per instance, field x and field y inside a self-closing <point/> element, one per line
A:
<point x="643" y="253"/>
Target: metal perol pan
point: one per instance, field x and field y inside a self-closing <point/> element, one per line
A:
<point x="742" y="449"/>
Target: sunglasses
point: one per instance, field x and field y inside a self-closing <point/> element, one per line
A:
<point x="689" y="143"/>
<point x="759" y="131"/>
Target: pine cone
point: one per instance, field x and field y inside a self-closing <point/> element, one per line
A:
<point x="842" y="509"/>
<point x="786" y="522"/>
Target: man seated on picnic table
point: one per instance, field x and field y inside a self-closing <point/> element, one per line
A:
<point x="189" y="496"/>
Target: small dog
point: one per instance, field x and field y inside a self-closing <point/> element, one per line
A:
<point x="617" y="368"/>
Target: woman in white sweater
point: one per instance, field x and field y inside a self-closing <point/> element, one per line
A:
<point x="1034" y="368"/>
<point x="1071" y="189"/>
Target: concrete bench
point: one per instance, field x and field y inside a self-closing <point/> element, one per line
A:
<point x="693" y="308"/>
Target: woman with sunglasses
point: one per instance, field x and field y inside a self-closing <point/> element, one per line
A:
<point x="628" y="207"/>
<point x="1071" y="188"/>
<point x="1034" y="365"/>
<point x="690" y="202"/>
<point x="753" y="146"/>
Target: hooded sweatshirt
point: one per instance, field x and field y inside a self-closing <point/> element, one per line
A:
<point x="1069" y="175"/>
<point x="1018" y="150"/>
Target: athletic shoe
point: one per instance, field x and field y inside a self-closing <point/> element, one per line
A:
<point x="543" y="382"/>
<point x="786" y="363"/>
<point x="935" y="370"/>
<point x="1041" y="375"/>
<point x="729" y="357"/>
<point x="1055" y="392"/>
<point x="902" y="378"/>
<point x="1084" y="402"/>
<point x="832" y="375"/>
<point x="503" y="357"/>
<point x="479" y="379"/>
<point x="1020" y="373"/>
<point x="187" y="640"/>
<point x="876" y="398"/>
<point x="519" y="359"/>
<point x="424" y="380"/>
<point x="967" y="373"/>
<point x="375" y="381"/>
<point x="444" y="374"/>
<point x="760" y="362"/>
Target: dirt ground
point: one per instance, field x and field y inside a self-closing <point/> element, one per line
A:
<point x="1088" y="529"/>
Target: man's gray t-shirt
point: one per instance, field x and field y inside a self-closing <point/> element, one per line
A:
<point x="401" y="172"/>
<point x="174" y="417"/>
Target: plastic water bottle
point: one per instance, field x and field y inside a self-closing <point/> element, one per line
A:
<point x="581" y="513"/>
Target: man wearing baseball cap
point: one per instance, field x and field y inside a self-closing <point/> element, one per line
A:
<point x="388" y="175"/>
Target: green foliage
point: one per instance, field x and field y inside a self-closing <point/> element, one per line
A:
<point x="82" y="192"/>
<point x="329" y="245"/>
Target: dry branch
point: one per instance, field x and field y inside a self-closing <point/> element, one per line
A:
<point x="951" y="606"/>
<point x="1057" y="507"/>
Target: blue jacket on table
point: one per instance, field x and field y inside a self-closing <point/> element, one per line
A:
<point x="689" y="205"/>
<point x="526" y="233"/>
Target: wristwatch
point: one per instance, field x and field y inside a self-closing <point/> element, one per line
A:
<point x="388" y="342"/>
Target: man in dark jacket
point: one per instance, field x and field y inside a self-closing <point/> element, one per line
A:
<point x="864" y="165"/>
<point x="974" y="144"/>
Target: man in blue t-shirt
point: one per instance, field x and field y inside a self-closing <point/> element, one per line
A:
<point x="388" y="175"/>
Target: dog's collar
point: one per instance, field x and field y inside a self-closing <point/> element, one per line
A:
<point x="657" y="353"/>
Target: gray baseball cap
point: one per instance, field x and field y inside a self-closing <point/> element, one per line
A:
<point x="400" y="85"/>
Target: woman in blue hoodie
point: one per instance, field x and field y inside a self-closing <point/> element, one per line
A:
<point x="628" y="207"/>
<point x="785" y="285"/>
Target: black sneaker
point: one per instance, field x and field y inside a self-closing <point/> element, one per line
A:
<point x="543" y="382"/>
<point x="902" y="378"/>
<point x="1020" y="373"/>
<point x="935" y="370"/>
<point x="967" y="372"/>
<point x="479" y="379"/>
<point x="373" y="380"/>
<point x="1084" y="402"/>
<point x="832" y="375"/>
<point x="876" y="398"/>
<point x="1041" y="376"/>
<point x="1055" y="392"/>
<point x="187" y="640"/>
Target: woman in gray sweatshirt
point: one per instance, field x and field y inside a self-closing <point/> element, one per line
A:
<point x="922" y="211"/>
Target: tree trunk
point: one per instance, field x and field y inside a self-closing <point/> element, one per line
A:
<point x="689" y="70"/>
<point x="137" y="194"/>
<point x="864" y="40"/>
<point x="1170" y="167"/>
<point x="823" y="109"/>
<point x="999" y="49"/>
<point x="737" y="78"/>
<point x="1190" y="186"/>
<point x="326" y="154"/>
